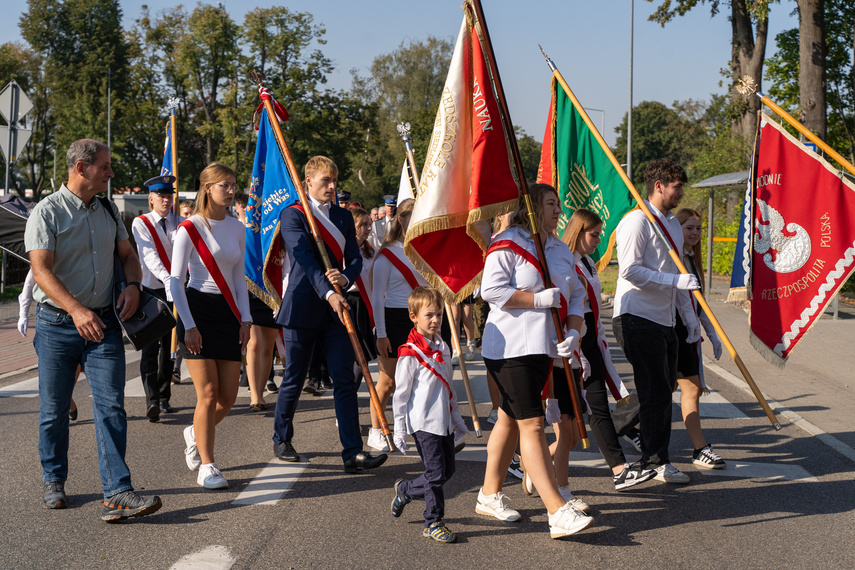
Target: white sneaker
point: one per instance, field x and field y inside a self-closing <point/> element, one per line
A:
<point x="568" y="520"/>
<point x="577" y="504"/>
<point x="211" y="478"/>
<point x="454" y="361"/>
<point x="708" y="458"/>
<point x="493" y="417"/>
<point x="191" y="453"/>
<point x="376" y="440"/>
<point x="670" y="474"/>
<point x="470" y="351"/>
<point x="495" y="506"/>
<point x="527" y="484"/>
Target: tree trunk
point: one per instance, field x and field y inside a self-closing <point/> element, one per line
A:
<point x="749" y="53"/>
<point x="812" y="66"/>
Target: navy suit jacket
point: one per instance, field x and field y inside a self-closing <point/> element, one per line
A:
<point x="303" y="301"/>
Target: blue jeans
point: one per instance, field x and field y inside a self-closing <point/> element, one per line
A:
<point x="61" y="349"/>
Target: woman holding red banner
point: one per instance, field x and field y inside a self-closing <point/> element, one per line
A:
<point x="690" y="368"/>
<point x="393" y="278"/>
<point x="518" y="348"/>
<point x="215" y="321"/>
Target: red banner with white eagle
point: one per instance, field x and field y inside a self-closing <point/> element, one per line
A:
<point x="466" y="179"/>
<point x="803" y="242"/>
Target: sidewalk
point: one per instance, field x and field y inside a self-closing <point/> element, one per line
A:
<point x="817" y="383"/>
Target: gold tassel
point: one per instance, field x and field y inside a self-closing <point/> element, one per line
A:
<point x="622" y="402"/>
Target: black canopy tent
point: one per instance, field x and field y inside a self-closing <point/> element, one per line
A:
<point x="13" y="220"/>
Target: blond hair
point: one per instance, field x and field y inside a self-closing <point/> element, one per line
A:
<point x="520" y="215"/>
<point x="422" y="297"/>
<point x="582" y="220"/>
<point x="682" y="216"/>
<point x="320" y="164"/>
<point x="212" y="174"/>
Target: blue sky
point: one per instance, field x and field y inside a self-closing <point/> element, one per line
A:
<point x="587" y="39"/>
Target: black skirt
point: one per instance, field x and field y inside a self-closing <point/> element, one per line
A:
<point x="687" y="354"/>
<point x="362" y="322"/>
<point x="262" y="315"/>
<point x="217" y="324"/>
<point x="521" y="381"/>
<point x="561" y="390"/>
<point x="398" y="327"/>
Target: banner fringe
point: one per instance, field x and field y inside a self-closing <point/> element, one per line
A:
<point x="767" y="352"/>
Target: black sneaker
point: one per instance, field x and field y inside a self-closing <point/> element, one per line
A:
<point x="129" y="504"/>
<point x="272" y="387"/>
<point x="633" y="437"/>
<point x="515" y="469"/>
<point x="284" y="451"/>
<point x="633" y="475"/>
<point x="54" y="495"/>
<point x="400" y="501"/>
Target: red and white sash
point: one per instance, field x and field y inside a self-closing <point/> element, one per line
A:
<point x="402" y="265"/>
<point x="209" y="261"/>
<point x="613" y="380"/>
<point x="531" y="258"/>
<point x="161" y="251"/>
<point x="418" y="348"/>
<point x="334" y="240"/>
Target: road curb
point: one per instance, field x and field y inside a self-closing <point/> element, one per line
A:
<point x="785" y="412"/>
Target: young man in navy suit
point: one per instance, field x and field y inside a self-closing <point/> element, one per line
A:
<point x="312" y="311"/>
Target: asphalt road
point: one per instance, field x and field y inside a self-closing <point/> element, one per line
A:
<point x="785" y="500"/>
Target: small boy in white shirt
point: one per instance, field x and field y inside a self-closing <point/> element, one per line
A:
<point x="425" y="406"/>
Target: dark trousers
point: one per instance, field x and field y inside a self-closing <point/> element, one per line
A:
<point x="298" y="351"/>
<point x="651" y="348"/>
<point x="156" y="364"/>
<point x="597" y="396"/>
<point x="437" y="453"/>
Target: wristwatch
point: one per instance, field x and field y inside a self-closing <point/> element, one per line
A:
<point x="137" y="284"/>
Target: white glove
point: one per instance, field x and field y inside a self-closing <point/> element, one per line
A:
<point x="553" y="412"/>
<point x="460" y="429"/>
<point x="586" y="367"/>
<point x="23" y="323"/>
<point x="686" y="282"/>
<point x="568" y="345"/>
<point x="716" y="344"/>
<point x="694" y="328"/>
<point x="399" y="438"/>
<point x="168" y="292"/>
<point x="547" y="299"/>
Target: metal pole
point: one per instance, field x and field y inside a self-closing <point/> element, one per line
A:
<point x="53" y="180"/>
<point x="629" y="115"/>
<point x="602" y="122"/>
<point x="109" y="182"/>
<point x="710" y="226"/>
<point x="13" y="113"/>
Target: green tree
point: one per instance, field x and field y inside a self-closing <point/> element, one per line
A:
<point x="658" y="132"/>
<point x="749" y="21"/>
<point x="82" y="47"/>
<point x="529" y="153"/>
<point x="405" y="86"/>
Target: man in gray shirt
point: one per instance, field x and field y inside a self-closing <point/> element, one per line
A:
<point x="71" y="237"/>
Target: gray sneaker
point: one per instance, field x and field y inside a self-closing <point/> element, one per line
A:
<point x="54" y="495"/>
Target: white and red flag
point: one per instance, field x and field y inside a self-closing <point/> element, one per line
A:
<point x="803" y="240"/>
<point x="467" y="177"/>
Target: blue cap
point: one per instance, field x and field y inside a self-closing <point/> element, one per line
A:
<point x="391" y="200"/>
<point x="161" y="184"/>
<point x="343" y="195"/>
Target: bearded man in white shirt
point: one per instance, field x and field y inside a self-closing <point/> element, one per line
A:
<point x="649" y="289"/>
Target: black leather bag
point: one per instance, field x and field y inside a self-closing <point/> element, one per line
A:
<point x="153" y="319"/>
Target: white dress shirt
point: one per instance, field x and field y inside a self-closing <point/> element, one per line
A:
<point x="519" y="332"/>
<point x="645" y="285"/>
<point x="154" y="273"/>
<point x="421" y="401"/>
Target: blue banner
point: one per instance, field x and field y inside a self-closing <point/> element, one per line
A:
<point x="740" y="278"/>
<point x="167" y="168"/>
<point x="270" y="192"/>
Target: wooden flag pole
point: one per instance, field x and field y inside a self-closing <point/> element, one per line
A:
<point x="541" y="254"/>
<point x="675" y="256"/>
<point x="748" y="85"/>
<point x="173" y="103"/>
<point x="404" y="129"/>
<point x="322" y="248"/>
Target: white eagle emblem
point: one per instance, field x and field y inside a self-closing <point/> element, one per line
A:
<point x="791" y="252"/>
